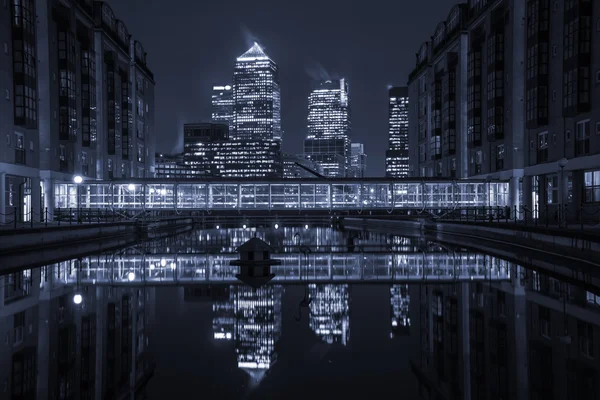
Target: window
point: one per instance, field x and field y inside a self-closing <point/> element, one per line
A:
<point x="585" y="332"/>
<point x="19" y="141"/>
<point x="500" y="157"/>
<point x="592" y="186"/>
<point x="544" y="322"/>
<point x="568" y="135"/>
<point x="552" y="189"/>
<point x="554" y="50"/>
<point x="582" y="146"/>
<point x="422" y="152"/>
<point x="598" y="128"/>
<point x="19" y="328"/>
<point x="542" y="151"/>
<point x="140" y="153"/>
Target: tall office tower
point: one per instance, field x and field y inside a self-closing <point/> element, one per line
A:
<point x="257" y="327"/>
<point x="257" y="98"/>
<point x="330" y="312"/>
<point x="222" y="106"/>
<point x="400" y="310"/>
<point x="328" y="140"/>
<point x="358" y="161"/>
<point x="70" y="108"/>
<point x="396" y="157"/>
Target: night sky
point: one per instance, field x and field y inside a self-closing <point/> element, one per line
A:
<point x="192" y="45"/>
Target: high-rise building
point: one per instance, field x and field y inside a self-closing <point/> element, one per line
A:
<point x="257" y="98"/>
<point x="330" y="312"/>
<point x="329" y="126"/>
<point x="358" y="161"/>
<point x="505" y="90"/>
<point x="80" y="101"/>
<point x="222" y="106"/>
<point x="209" y="153"/>
<point x="396" y="157"/>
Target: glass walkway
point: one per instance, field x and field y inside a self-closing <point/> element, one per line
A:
<point x="310" y="194"/>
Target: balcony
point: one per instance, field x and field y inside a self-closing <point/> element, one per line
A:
<point x="20" y="156"/>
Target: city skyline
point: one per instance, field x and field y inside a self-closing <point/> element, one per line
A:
<point x="361" y="45"/>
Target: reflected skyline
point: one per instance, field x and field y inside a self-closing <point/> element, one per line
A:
<point x="458" y="337"/>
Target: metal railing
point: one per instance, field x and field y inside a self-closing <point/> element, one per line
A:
<point x="583" y="217"/>
<point x="64" y="216"/>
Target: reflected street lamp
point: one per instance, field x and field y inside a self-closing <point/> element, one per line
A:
<point x="77" y="299"/>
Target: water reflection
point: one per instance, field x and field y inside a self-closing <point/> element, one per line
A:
<point x="512" y="334"/>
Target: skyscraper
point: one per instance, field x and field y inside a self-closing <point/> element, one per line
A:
<point x="358" y="161"/>
<point x="328" y="140"/>
<point x="396" y="157"/>
<point x="222" y="106"/>
<point x="257" y="99"/>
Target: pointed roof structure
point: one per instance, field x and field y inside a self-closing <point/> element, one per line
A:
<point x="255" y="244"/>
<point x="254" y="53"/>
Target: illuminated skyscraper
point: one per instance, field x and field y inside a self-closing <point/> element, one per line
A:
<point x="328" y="140"/>
<point x="222" y="106"/>
<point x="257" y="327"/>
<point x="257" y="98"/>
<point x="400" y="302"/>
<point x="330" y="312"/>
<point x="358" y="161"/>
<point x="396" y="157"/>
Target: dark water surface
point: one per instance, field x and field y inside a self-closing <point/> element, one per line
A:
<point x="348" y="314"/>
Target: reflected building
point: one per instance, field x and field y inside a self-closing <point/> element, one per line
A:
<point x="257" y="326"/>
<point x="328" y="140"/>
<point x="58" y="349"/>
<point x="329" y="314"/>
<point x="400" y="310"/>
<point x="252" y="318"/>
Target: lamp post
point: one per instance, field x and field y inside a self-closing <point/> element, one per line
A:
<point x="562" y="163"/>
<point x="78" y="179"/>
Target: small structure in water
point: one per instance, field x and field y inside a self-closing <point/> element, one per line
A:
<point x="255" y="263"/>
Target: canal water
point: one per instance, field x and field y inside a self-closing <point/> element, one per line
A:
<point x="347" y="314"/>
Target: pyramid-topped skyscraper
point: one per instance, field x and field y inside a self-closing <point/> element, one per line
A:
<point x="257" y="98"/>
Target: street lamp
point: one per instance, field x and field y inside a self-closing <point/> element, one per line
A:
<point x="78" y="179"/>
<point x="77" y="299"/>
<point x="131" y="276"/>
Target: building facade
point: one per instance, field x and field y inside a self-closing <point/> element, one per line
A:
<point x="505" y="91"/>
<point x="80" y="101"/>
<point x="397" y="163"/>
<point x="171" y="166"/>
<point x="209" y="152"/>
<point x="257" y="97"/>
<point x="358" y="161"/>
<point x="222" y="106"/>
<point x="329" y="126"/>
<point x="299" y="167"/>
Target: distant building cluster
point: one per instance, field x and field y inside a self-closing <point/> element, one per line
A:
<point x="507" y="90"/>
<point x="78" y="100"/>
